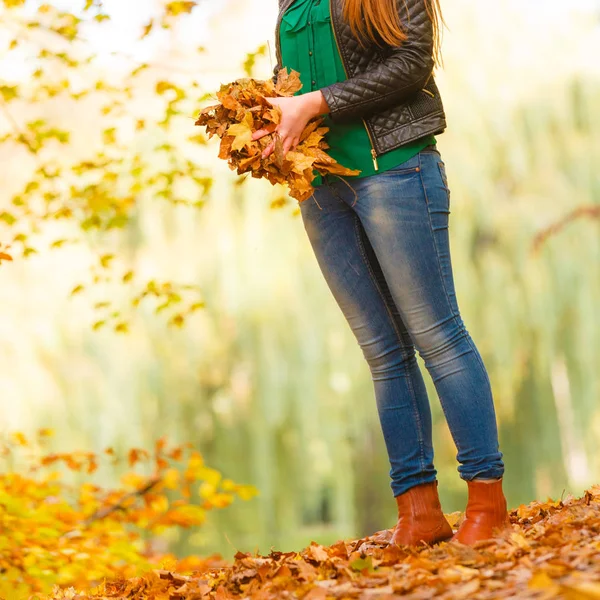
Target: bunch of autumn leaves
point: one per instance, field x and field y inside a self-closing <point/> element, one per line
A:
<point x="243" y="109"/>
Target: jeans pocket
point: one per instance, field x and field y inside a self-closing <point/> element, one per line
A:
<point x="442" y="168"/>
<point x="412" y="165"/>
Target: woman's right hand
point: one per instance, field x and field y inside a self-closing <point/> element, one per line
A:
<point x="296" y="112"/>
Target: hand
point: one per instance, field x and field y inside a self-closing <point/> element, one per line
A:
<point x="296" y="112"/>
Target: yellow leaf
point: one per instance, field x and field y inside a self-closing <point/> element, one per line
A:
<point x="133" y="480"/>
<point x="147" y="29"/>
<point x="177" y="320"/>
<point x="221" y="500"/>
<point x="169" y="563"/>
<point x="187" y="515"/>
<point x="520" y="540"/>
<point x="164" y="86"/>
<point x="160" y="504"/>
<point x="105" y="260"/>
<point x="300" y="161"/>
<point x="19" y="438"/>
<point x="200" y="138"/>
<point x="122" y="327"/>
<point x="195" y="466"/>
<point x="586" y="590"/>
<point x="228" y="485"/>
<point x="180" y="6"/>
<point x="540" y="581"/>
<point x="288" y="83"/>
<point x="211" y="476"/>
<point x="246" y="492"/>
<point x="206" y="490"/>
<point x="241" y="132"/>
<point x="171" y="479"/>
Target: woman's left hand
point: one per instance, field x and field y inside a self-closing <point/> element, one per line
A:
<point x="296" y="112"/>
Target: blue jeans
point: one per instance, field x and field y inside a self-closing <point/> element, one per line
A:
<point x="382" y="245"/>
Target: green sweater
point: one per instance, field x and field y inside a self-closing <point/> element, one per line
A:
<point x="308" y="45"/>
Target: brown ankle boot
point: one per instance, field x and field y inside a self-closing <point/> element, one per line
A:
<point x="420" y="517"/>
<point x="486" y="512"/>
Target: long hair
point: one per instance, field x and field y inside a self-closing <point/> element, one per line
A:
<point x="373" y="19"/>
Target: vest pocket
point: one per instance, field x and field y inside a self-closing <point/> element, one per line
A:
<point x="422" y="103"/>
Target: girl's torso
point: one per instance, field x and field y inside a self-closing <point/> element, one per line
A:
<point x="308" y="45"/>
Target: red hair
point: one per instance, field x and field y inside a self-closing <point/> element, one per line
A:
<point x="373" y="19"/>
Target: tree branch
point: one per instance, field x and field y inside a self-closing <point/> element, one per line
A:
<point x="592" y="212"/>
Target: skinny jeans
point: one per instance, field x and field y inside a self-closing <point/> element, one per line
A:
<point x="382" y="245"/>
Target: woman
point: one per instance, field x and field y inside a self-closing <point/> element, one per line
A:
<point x="381" y="241"/>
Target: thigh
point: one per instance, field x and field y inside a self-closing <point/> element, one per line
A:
<point x="352" y="273"/>
<point x="405" y="213"/>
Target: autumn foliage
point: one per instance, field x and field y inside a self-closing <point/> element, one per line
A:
<point x="88" y="148"/>
<point x="243" y="109"/>
<point x="56" y="532"/>
<point x="551" y="551"/>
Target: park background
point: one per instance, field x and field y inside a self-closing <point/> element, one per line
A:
<point x="266" y="379"/>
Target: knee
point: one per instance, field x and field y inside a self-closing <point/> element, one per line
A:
<point x="443" y="340"/>
<point x="388" y="360"/>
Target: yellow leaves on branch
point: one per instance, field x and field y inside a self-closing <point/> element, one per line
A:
<point x="243" y="109"/>
<point x="56" y="533"/>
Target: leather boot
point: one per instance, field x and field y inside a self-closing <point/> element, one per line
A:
<point x="486" y="512"/>
<point x="420" y="517"/>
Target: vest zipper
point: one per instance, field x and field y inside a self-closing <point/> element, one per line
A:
<point x="373" y="152"/>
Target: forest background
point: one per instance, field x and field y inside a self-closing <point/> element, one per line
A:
<point x="234" y="342"/>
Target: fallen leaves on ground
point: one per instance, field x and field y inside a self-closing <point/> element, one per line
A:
<point x="243" y="109"/>
<point x="551" y="551"/>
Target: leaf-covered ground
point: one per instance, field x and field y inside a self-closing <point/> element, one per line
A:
<point x="552" y="551"/>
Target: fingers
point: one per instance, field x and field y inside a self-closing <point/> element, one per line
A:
<point x="259" y="133"/>
<point x="287" y="145"/>
<point x="268" y="150"/>
<point x="271" y="147"/>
